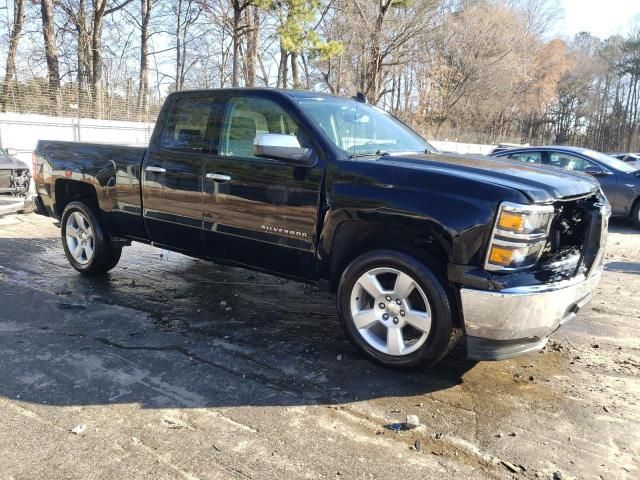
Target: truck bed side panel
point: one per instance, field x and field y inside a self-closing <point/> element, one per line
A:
<point x="112" y="170"/>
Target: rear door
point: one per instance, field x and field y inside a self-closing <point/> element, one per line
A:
<point x="173" y="175"/>
<point x="261" y="212"/>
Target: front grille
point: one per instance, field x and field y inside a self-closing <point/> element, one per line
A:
<point x="576" y="237"/>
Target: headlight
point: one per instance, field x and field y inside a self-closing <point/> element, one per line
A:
<point x="528" y="222"/>
<point x="519" y="236"/>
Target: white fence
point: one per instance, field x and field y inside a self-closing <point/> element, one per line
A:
<point x="22" y="132"/>
<point x="456" y="147"/>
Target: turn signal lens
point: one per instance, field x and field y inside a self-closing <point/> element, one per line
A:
<point x="534" y="221"/>
<point x="516" y="256"/>
<point x="501" y="255"/>
<point x="511" y="221"/>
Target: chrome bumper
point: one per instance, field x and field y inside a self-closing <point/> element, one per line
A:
<point x="528" y="313"/>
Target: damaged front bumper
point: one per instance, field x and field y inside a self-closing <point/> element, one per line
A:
<point x="514" y="321"/>
<point x="19" y="200"/>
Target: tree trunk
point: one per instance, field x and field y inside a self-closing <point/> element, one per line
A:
<point x="283" y="70"/>
<point x="179" y="59"/>
<point x="253" y="26"/>
<point x="10" y="72"/>
<point x="372" y="82"/>
<point x="295" y="70"/>
<point x="85" y="67"/>
<point x="99" y="7"/>
<point x="237" y="36"/>
<point x="178" y="46"/>
<point x="51" y="53"/>
<point x="143" y="81"/>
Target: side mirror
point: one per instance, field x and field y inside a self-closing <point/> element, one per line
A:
<point x="12" y="152"/>
<point x="596" y="171"/>
<point x="282" y="147"/>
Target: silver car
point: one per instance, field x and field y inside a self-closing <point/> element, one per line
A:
<point x="15" y="182"/>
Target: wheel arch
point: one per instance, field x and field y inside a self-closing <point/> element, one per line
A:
<point x="67" y="191"/>
<point x="353" y="238"/>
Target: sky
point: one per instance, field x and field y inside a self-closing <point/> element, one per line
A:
<point x="601" y="18"/>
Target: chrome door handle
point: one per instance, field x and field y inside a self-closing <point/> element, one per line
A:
<point x="218" y="177"/>
<point x="156" y="169"/>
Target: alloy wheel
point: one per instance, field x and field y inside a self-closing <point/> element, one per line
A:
<point x="80" y="238"/>
<point x="390" y="311"/>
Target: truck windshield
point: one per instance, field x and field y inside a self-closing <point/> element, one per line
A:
<point x="360" y="129"/>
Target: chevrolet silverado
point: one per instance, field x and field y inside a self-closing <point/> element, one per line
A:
<point x="421" y="248"/>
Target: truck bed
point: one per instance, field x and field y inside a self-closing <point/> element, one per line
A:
<point x="113" y="171"/>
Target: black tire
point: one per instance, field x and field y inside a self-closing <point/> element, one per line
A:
<point x="105" y="255"/>
<point x="443" y="335"/>
<point x="635" y="214"/>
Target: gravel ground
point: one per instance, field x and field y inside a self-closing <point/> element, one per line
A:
<point x="171" y="367"/>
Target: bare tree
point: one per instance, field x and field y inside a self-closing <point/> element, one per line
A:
<point x="51" y="53"/>
<point x="252" y="15"/>
<point x="14" y="37"/>
<point x="187" y="15"/>
<point x="146" y="7"/>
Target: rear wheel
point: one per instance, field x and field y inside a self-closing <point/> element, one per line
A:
<point x="86" y="243"/>
<point x="394" y="308"/>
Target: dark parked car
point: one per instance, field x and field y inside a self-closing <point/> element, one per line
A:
<point x="419" y="246"/>
<point x="620" y="181"/>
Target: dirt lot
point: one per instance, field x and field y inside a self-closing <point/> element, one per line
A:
<point x="174" y="368"/>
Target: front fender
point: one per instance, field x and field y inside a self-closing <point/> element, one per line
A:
<point x="453" y="214"/>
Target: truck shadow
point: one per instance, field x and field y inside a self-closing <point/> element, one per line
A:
<point x="623" y="267"/>
<point x="622" y="225"/>
<point x="164" y="330"/>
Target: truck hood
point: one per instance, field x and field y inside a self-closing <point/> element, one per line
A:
<point x="539" y="183"/>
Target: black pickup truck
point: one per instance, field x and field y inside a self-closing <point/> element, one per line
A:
<point x="421" y="247"/>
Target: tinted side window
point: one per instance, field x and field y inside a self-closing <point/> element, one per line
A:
<point x="569" y="162"/>
<point x="247" y="117"/>
<point x="527" y="157"/>
<point x="186" y="129"/>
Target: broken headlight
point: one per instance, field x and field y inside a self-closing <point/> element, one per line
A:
<point x="519" y="236"/>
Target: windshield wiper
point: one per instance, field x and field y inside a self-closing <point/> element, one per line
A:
<point x="377" y="153"/>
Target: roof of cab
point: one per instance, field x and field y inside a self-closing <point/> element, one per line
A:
<point x="285" y="91"/>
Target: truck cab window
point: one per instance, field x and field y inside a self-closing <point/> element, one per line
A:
<point x="187" y="126"/>
<point x="247" y="117"/>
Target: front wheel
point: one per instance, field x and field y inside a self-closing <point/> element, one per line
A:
<point x="635" y="214"/>
<point x="86" y="243"/>
<point x="395" y="308"/>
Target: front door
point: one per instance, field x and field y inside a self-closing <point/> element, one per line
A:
<point x="568" y="161"/>
<point x="261" y="211"/>
<point x="173" y="176"/>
